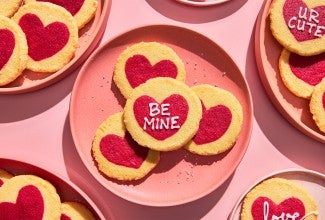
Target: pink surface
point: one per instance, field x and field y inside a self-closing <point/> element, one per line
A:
<point x="35" y="128"/>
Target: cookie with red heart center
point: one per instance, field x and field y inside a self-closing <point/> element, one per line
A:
<point x="13" y="51"/>
<point x="162" y="114"/>
<point x="26" y="197"/>
<point x="278" y="198"/>
<point x="222" y="119"/>
<point x="52" y="35"/>
<point x="143" y="61"/>
<point x="8" y="8"/>
<point x="4" y="176"/>
<point x="117" y="155"/>
<point x="317" y="105"/>
<point x="299" y="25"/>
<point x="82" y="10"/>
<point x="75" y="211"/>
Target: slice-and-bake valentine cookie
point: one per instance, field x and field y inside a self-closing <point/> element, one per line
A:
<point x="299" y="25"/>
<point x="13" y="51"/>
<point x="8" y="8"/>
<point x="82" y="10"/>
<point x="28" y="197"/>
<point x="278" y="198"/>
<point x="222" y="119"/>
<point x="317" y="105"/>
<point x="301" y="74"/>
<point x="4" y="176"/>
<point x="117" y="155"/>
<point x="162" y="114"/>
<point x="52" y="35"/>
<point x="75" y="211"/>
<point x="143" y="61"/>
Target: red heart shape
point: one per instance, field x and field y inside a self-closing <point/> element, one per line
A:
<point x="291" y="9"/>
<point x="29" y="205"/>
<point x="43" y="42"/>
<point x="178" y="107"/>
<point x="309" y="69"/>
<point x="64" y="217"/>
<point x="123" y="151"/>
<point x="7" y="45"/>
<point x="214" y="123"/>
<point x="289" y="206"/>
<point x="1" y="182"/>
<point x="73" y="6"/>
<point x="323" y="99"/>
<point x="138" y="70"/>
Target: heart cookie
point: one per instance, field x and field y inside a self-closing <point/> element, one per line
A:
<point x="52" y="35"/>
<point x="4" y="176"/>
<point x="117" y="155"/>
<point x="222" y="119"/>
<point x="299" y="25"/>
<point x="162" y="114"/>
<point x="8" y="8"/>
<point x="75" y="211"/>
<point x="317" y="105"/>
<point x="143" y="61"/>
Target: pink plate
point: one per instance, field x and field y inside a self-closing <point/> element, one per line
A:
<point x="66" y="190"/>
<point x="202" y="2"/>
<point x="179" y="177"/>
<point x="89" y="37"/>
<point x="293" y="108"/>
<point x="312" y="181"/>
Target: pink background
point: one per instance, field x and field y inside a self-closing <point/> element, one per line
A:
<point x="34" y="127"/>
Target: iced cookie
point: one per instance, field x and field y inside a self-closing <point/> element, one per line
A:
<point x="52" y="35"/>
<point x="82" y="10"/>
<point x="4" y="176"/>
<point x="13" y="51"/>
<point x="75" y="211"/>
<point x="222" y="119"/>
<point x="278" y="198"/>
<point x="143" y="61"/>
<point x="317" y="105"/>
<point x="162" y="114"/>
<point x="117" y="155"/>
<point x="27" y="197"/>
<point x="8" y="8"/>
<point x="299" y="25"/>
<point x="301" y="74"/>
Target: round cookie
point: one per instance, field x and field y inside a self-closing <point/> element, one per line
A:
<point x="82" y="10"/>
<point x="29" y="197"/>
<point x="13" y="51"/>
<point x="317" y="105"/>
<point x="4" y="176"/>
<point x="52" y="35"/>
<point x="143" y="61"/>
<point x="75" y="211"/>
<point x="299" y="25"/>
<point x="8" y="8"/>
<point x="222" y="119"/>
<point x="277" y="197"/>
<point x="162" y="114"/>
<point x="117" y="155"/>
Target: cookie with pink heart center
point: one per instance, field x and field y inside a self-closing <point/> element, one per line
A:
<point x="317" y="105"/>
<point x="75" y="210"/>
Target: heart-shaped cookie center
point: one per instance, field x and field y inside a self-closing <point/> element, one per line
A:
<point x="29" y="205"/>
<point x="123" y="151"/>
<point x="304" y="23"/>
<point x="264" y="208"/>
<point x="7" y="45"/>
<point x="214" y="123"/>
<point x="138" y="70"/>
<point x="1" y="182"/>
<point x="43" y="42"/>
<point x="73" y="6"/>
<point x="309" y="69"/>
<point x="161" y="120"/>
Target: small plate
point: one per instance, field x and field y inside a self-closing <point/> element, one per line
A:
<point x="180" y="176"/>
<point x="312" y="181"/>
<point x="89" y="37"/>
<point x="202" y="2"/>
<point x="267" y="51"/>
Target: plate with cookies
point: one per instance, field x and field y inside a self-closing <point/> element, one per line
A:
<point x="43" y="41"/>
<point x="290" y="55"/>
<point x="161" y="115"/>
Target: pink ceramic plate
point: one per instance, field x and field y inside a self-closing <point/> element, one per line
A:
<point x="312" y="181"/>
<point x="293" y="108"/>
<point x="89" y="37"/>
<point x="67" y="190"/>
<point x="180" y="177"/>
<point x="202" y="2"/>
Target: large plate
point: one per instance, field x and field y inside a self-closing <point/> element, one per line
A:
<point x="267" y="50"/>
<point x="180" y="176"/>
<point x="202" y="2"/>
<point x="89" y="37"/>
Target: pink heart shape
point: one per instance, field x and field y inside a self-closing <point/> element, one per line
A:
<point x="29" y="205"/>
<point x="7" y="45"/>
<point x="138" y="70"/>
<point x="178" y="107"/>
<point x="73" y="6"/>
<point x="43" y="42"/>
<point x="123" y="151"/>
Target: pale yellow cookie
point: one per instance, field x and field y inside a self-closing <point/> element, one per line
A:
<point x="75" y="211"/>
<point x="9" y="7"/>
<point x="317" y="105"/>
